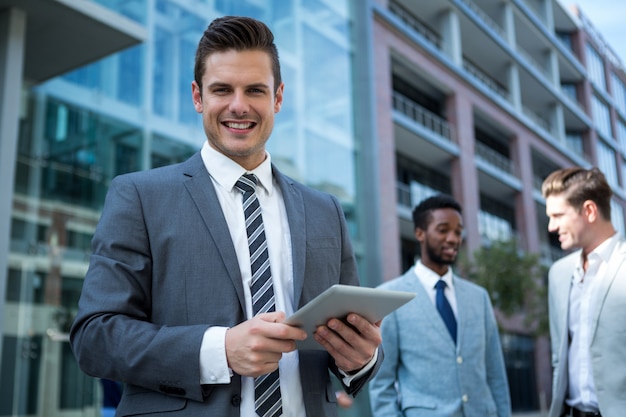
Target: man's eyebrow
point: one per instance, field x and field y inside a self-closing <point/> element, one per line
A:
<point x="259" y="85"/>
<point x="218" y="84"/>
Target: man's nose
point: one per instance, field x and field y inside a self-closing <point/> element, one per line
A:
<point x="239" y="103"/>
<point x="552" y="227"/>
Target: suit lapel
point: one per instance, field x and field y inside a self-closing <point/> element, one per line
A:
<point x="294" y="206"/>
<point x="201" y="190"/>
<point x="463" y="306"/>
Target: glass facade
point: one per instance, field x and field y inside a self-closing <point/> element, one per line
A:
<point x="595" y="67"/>
<point x="133" y="111"/>
<point x="601" y="117"/>
<point x="619" y="93"/>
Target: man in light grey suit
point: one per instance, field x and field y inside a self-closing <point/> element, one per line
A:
<point x="169" y="303"/>
<point x="587" y="297"/>
<point x="431" y="369"/>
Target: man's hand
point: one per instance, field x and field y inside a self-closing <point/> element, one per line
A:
<point x="255" y="346"/>
<point x="352" y="345"/>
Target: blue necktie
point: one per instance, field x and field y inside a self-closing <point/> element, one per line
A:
<point x="267" y="397"/>
<point x="443" y="306"/>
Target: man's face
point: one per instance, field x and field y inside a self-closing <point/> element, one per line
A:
<point x="441" y="240"/>
<point x="238" y="102"/>
<point x="569" y="223"/>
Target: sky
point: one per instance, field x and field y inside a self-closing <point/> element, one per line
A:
<point x="609" y="18"/>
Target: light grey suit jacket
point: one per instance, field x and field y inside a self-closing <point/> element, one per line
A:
<point x="425" y="374"/>
<point x="164" y="269"/>
<point x="608" y="352"/>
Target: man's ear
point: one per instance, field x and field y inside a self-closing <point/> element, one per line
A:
<point x="590" y="211"/>
<point x="419" y="234"/>
<point x="278" y="97"/>
<point x="196" y="96"/>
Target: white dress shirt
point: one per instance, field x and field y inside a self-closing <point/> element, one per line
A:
<point x="582" y="390"/>
<point x="214" y="369"/>
<point x="429" y="278"/>
<point x="213" y="364"/>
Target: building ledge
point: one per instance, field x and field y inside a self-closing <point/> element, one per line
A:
<point x="62" y="35"/>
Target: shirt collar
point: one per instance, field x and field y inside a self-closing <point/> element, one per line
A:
<point x="429" y="278"/>
<point x="602" y="252"/>
<point x="226" y="172"/>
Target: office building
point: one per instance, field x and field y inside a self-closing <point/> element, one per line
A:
<point x="385" y="103"/>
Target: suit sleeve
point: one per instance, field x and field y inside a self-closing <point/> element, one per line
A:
<point x="113" y="336"/>
<point x="383" y="394"/>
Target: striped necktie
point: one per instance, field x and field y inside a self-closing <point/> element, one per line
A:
<point x="267" y="400"/>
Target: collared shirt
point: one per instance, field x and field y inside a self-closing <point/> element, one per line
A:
<point x="214" y="369"/>
<point x="429" y="278"/>
<point x="213" y="365"/>
<point x="582" y="390"/>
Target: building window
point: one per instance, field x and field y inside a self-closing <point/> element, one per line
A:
<point x="607" y="164"/>
<point x="617" y="218"/>
<point x="595" y="67"/>
<point x="621" y="135"/>
<point x="601" y="117"/>
<point x="619" y="93"/>
<point x="574" y="141"/>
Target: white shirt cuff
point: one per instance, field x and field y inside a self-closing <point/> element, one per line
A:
<point x="213" y="363"/>
<point x="347" y="379"/>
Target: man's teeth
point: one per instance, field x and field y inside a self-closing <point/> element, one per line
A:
<point x="235" y="125"/>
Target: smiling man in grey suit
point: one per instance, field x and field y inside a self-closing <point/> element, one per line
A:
<point x="436" y="366"/>
<point x="587" y="297"/>
<point x="188" y="285"/>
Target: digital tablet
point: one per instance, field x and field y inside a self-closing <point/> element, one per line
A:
<point x="339" y="300"/>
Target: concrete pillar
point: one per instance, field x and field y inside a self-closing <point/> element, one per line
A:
<point x="508" y="18"/>
<point x="558" y="123"/>
<point x="515" y="94"/>
<point x="12" y="45"/>
<point x="451" y="36"/>
<point x="553" y="68"/>
<point x="465" y="187"/>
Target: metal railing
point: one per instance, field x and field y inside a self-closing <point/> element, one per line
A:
<point x="485" y="79"/>
<point x="485" y="18"/>
<point x="414" y="23"/>
<point x="494" y="158"/>
<point x="543" y="123"/>
<point x="424" y="117"/>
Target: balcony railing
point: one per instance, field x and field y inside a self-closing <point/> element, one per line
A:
<point x="414" y="23"/>
<point x="540" y="121"/>
<point x="423" y="117"/>
<point x="494" y="158"/>
<point x="485" y="79"/>
<point x="532" y="61"/>
<point x="485" y="18"/>
<point x="410" y="195"/>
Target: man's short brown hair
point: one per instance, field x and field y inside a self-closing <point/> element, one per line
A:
<point x="579" y="185"/>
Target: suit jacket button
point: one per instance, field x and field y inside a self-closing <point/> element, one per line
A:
<point x="236" y="400"/>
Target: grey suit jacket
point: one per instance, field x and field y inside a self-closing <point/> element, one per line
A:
<point x="608" y="354"/>
<point x="164" y="269"/>
<point x="424" y="374"/>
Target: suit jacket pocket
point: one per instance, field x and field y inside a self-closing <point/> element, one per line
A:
<point x="417" y="407"/>
<point x="139" y="401"/>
